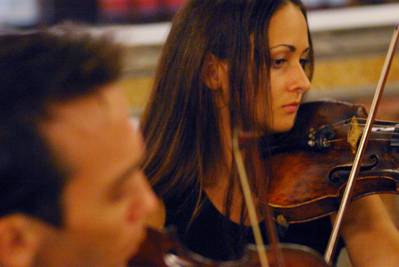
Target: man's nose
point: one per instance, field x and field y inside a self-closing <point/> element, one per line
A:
<point x="150" y="201"/>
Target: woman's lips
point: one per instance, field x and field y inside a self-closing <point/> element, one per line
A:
<point x="291" y="107"/>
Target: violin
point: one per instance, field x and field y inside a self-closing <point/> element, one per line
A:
<point x="163" y="249"/>
<point x="314" y="159"/>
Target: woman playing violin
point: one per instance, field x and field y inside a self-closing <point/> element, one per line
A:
<point x="238" y="64"/>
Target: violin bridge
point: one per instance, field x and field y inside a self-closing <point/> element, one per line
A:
<point x="354" y="134"/>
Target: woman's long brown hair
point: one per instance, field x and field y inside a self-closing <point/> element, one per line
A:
<point x="181" y="123"/>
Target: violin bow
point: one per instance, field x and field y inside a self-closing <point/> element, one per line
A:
<point x="242" y="174"/>
<point x="361" y="147"/>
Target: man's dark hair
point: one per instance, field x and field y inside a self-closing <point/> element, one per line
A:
<point x="37" y="69"/>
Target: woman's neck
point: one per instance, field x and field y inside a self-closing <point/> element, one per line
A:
<point x="217" y="194"/>
<point x="219" y="181"/>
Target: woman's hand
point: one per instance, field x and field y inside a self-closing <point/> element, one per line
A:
<point x="371" y="237"/>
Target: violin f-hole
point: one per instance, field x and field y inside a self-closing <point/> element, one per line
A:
<point x="340" y="173"/>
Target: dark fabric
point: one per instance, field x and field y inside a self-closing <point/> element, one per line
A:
<point x="214" y="236"/>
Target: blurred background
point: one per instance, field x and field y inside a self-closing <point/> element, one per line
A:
<point x="351" y="38"/>
<point x="30" y="13"/>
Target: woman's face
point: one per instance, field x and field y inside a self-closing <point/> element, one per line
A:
<point x="289" y="50"/>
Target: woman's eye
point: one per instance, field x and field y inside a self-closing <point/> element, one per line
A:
<point x="278" y="62"/>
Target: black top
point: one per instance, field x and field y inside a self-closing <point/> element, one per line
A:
<point x="214" y="236"/>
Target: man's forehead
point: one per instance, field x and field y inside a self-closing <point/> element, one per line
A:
<point x="89" y="122"/>
<point x="100" y="109"/>
<point x="79" y="108"/>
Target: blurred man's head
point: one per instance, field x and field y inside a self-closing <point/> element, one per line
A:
<point x="72" y="192"/>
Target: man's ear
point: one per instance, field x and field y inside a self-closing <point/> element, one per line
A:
<point x="19" y="241"/>
<point x="214" y="73"/>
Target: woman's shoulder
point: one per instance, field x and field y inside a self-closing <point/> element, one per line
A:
<point x="172" y="208"/>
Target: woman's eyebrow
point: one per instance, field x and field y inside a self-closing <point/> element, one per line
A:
<point x="290" y="47"/>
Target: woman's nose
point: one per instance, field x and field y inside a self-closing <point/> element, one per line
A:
<point x="301" y="82"/>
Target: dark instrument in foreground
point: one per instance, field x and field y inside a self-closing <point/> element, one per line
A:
<point x="162" y="249"/>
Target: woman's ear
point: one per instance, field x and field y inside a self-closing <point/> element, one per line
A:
<point x="214" y="73"/>
<point x="18" y="241"/>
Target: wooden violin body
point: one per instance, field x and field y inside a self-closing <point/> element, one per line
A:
<point x="311" y="163"/>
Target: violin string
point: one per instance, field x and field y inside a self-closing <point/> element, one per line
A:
<point x="376" y="133"/>
<point x="347" y="122"/>
<point x="344" y="140"/>
<point x="344" y="123"/>
<point x="375" y="125"/>
<point x="390" y="133"/>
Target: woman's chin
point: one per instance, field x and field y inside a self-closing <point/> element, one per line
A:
<point x="282" y="126"/>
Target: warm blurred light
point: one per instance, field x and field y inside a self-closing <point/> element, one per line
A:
<point x="29" y="13"/>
